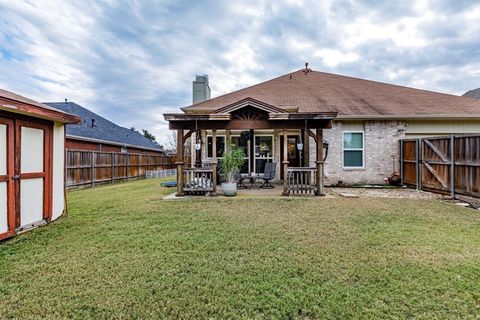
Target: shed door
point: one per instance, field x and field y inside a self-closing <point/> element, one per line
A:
<point x="7" y="201"/>
<point x="32" y="173"/>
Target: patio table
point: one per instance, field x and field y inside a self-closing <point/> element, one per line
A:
<point x="253" y="179"/>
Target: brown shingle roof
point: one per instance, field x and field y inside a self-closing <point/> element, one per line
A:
<point x="324" y="92"/>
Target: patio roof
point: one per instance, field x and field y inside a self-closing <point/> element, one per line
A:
<point x="259" y="115"/>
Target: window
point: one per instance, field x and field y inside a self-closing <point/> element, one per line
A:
<point x="220" y="146"/>
<point x="353" y="149"/>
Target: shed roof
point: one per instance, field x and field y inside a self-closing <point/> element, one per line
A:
<point x="16" y="103"/>
<point x="306" y="90"/>
<point x="103" y="130"/>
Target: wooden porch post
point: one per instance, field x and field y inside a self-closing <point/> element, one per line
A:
<point x="203" y="148"/>
<point x="179" y="162"/>
<point x="319" y="162"/>
<point x="228" y="140"/>
<point x="285" y="162"/>
<point x="197" y="153"/>
<point x="214" y="162"/>
<point x="306" y="149"/>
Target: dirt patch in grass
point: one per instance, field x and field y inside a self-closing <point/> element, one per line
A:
<point x="394" y="193"/>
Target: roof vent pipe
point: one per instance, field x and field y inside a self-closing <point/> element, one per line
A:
<point x="307" y="70"/>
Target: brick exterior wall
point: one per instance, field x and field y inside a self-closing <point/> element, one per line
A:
<point x="381" y="152"/>
<point x="89" y="146"/>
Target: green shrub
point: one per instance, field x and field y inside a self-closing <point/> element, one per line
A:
<point x="232" y="161"/>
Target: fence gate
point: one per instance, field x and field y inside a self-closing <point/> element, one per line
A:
<point x="436" y="164"/>
<point x="442" y="164"/>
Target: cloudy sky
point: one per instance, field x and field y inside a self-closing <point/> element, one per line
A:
<point x="130" y="61"/>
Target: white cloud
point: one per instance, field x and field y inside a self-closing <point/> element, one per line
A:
<point x="333" y="57"/>
<point x="133" y="61"/>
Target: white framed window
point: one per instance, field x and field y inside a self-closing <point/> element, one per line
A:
<point x="353" y="150"/>
<point x="220" y="146"/>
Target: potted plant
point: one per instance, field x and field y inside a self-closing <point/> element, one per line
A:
<point x="232" y="162"/>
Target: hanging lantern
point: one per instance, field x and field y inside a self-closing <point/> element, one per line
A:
<point x="198" y="144"/>
<point x="300" y="142"/>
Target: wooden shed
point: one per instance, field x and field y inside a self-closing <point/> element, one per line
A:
<point x="32" y="140"/>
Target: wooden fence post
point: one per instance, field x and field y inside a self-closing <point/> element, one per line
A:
<point x="402" y="142"/>
<point x="93" y="169"/>
<point x="420" y="164"/>
<point x="139" y="161"/>
<point x="452" y="166"/>
<point x="112" y="156"/>
<point x="417" y="164"/>
<point x="128" y="167"/>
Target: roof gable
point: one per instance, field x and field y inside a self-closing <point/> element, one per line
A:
<point x="249" y="102"/>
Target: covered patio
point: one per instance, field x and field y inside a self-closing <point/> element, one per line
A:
<point x="254" y="126"/>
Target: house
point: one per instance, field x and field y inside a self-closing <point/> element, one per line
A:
<point x="472" y="94"/>
<point x="32" y="139"/>
<point x="99" y="134"/>
<point x="360" y="122"/>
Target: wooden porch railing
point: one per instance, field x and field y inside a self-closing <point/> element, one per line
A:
<point x="302" y="180"/>
<point x="198" y="180"/>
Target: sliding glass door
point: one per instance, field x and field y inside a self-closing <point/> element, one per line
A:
<point x="263" y="152"/>
<point x="244" y="144"/>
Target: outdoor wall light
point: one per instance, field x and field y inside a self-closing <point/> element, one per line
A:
<point x="300" y="146"/>
<point x="198" y="145"/>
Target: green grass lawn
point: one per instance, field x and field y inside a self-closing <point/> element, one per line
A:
<point x="123" y="252"/>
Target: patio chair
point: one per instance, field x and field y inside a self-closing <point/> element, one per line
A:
<point x="268" y="174"/>
<point x="240" y="179"/>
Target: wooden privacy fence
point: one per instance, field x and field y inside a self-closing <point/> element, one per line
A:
<point x="442" y="164"/>
<point x="87" y="168"/>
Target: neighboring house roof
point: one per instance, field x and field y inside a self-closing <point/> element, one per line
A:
<point x="314" y="91"/>
<point x="473" y="94"/>
<point x="15" y="103"/>
<point x="103" y="131"/>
